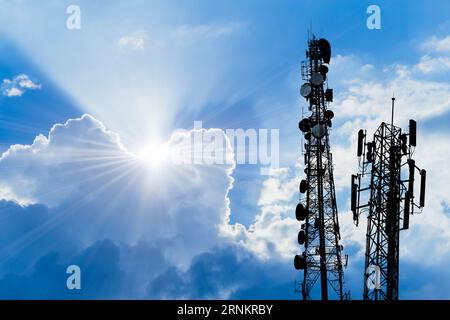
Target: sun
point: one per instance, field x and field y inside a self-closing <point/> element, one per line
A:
<point x="153" y="154"/>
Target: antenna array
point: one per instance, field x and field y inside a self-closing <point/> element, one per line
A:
<point x="388" y="200"/>
<point x="317" y="209"/>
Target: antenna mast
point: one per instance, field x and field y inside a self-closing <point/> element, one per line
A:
<point x="317" y="209"/>
<point x="392" y="115"/>
<point x="388" y="205"/>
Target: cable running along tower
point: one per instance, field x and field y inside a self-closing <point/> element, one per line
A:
<point x="388" y="199"/>
<point x="321" y="259"/>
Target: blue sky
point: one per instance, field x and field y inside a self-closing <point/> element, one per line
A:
<point x="73" y="193"/>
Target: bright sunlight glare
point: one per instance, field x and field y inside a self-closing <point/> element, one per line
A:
<point x="154" y="154"/>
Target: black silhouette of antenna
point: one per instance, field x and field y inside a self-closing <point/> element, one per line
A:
<point x="389" y="204"/>
<point x="317" y="209"/>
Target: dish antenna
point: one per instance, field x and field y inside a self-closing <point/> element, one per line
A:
<point x="325" y="50"/>
<point x="305" y="90"/>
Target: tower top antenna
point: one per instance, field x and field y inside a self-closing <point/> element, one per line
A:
<point x="393" y="107"/>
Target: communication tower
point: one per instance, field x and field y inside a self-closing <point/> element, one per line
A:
<point x="321" y="259"/>
<point x="388" y="200"/>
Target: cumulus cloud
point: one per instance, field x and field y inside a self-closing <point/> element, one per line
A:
<point x="156" y="222"/>
<point x="266" y="236"/>
<point x="18" y="85"/>
<point x="55" y="167"/>
<point x="84" y="172"/>
<point x="88" y="179"/>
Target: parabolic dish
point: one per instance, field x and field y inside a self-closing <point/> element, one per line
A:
<point x="305" y="90"/>
<point x="319" y="131"/>
<point x="316" y="79"/>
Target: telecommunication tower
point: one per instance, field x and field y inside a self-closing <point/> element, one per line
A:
<point x="321" y="259"/>
<point x="389" y="202"/>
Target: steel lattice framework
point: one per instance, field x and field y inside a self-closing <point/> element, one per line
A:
<point x="383" y="222"/>
<point x="389" y="205"/>
<point x="322" y="257"/>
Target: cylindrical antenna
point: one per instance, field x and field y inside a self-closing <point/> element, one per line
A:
<point x="423" y="178"/>
<point x="361" y="136"/>
<point x="412" y="133"/>
<point x="392" y="115"/>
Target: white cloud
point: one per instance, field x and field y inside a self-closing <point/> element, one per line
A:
<point x="437" y="56"/>
<point x="135" y="41"/>
<point x="13" y="92"/>
<point x="25" y="82"/>
<point x="370" y="100"/>
<point x="17" y="86"/>
<point x="437" y="44"/>
<point x="83" y="165"/>
<point x="428" y="65"/>
<point x="277" y="187"/>
<point x="36" y="171"/>
<point x="273" y="233"/>
<point x="428" y="241"/>
<point x="84" y="173"/>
